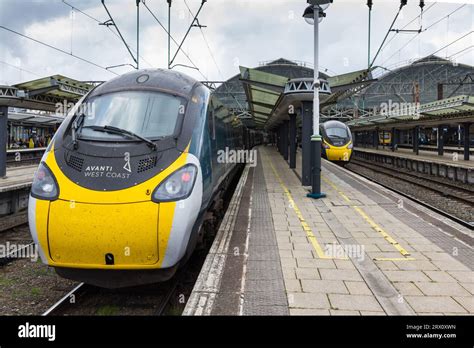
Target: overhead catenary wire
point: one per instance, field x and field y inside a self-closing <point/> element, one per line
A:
<point x="111" y="21"/>
<point x="461" y="51"/>
<point x="174" y="41"/>
<point x="207" y="43"/>
<point x="56" y="49"/>
<point x="406" y="25"/>
<point x="195" y="19"/>
<point x="21" y="69"/>
<point x="213" y="57"/>
<point x="426" y="29"/>
<point x="452" y="42"/>
<point x="99" y="22"/>
<point x="402" y="3"/>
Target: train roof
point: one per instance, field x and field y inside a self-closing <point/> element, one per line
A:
<point x="149" y="79"/>
<point x="334" y="123"/>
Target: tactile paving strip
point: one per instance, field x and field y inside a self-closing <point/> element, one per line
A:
<point x="427" y="230"/>
<point x="264" y="287"/>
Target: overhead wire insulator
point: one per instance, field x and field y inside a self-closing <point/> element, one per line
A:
<point x="422" y="4"/>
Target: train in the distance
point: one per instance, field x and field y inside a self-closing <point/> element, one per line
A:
<point x="337" y="142"/>
<point x="122" y="191"/>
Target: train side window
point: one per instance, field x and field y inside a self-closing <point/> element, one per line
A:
<point x="211" y="120"/>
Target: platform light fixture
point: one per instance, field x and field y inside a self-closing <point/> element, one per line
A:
<point x="313" y="15"/>
<point x="308" y="15"/>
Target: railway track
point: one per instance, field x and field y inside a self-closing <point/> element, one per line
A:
<point x="9" y="222"/>
<point x="443" y="187"/>
<point x="16" y="240"/>
<point x="450" y="200"/>
<point x="86" y="299"/>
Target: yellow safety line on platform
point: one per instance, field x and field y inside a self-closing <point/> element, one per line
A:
<point x="375" y="226"/>
<point x="309" y="233"/>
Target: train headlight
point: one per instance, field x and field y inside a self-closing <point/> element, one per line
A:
<point x="44" y="184"/>
<point x="326" y="146"/>
<point x="177" y="186"/>
<point x="350" y="146"/>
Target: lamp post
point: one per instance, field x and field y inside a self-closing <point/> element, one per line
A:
<point x="313" y="15"/>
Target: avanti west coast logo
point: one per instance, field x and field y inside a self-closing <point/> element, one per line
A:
<point x="37" y="331"/>
<point x="237" y="156"/>
<point x="101" y="171"/>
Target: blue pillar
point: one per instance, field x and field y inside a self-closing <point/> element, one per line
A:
<point x="306" y="133"/>
<point x="3" y="140"/>
<point x="467" y="141"/>
<point x="285" y="140"/>
<point x="292" y="140"/>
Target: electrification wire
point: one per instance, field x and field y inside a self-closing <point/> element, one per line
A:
<point x="110" y="29"/>
<point x="57" y="49"/>
<point x="452" y="42"/>
<point x="386" y="35"/>
<point x="173" y="39"/>
<point x="207" y="43"/>
<point x="18" y="68"/>
<point x="464" y="49"/>
<point x="213" y="57"/>
<point x="426" y="29"/>
<point x="449" y="14"/>
<point x="422" y="13"/>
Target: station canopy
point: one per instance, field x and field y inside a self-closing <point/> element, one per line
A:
<point x="459" y="109"/>
<point x="43" y="94"/>
<point x="31" y="119"/>
<point x="264" y="90"/>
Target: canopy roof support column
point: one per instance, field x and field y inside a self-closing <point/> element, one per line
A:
<point x="3" y="140"/>
<point x="416" y="139"/>
<point x="285" y="140"/>
<point x="292" y="141"/>
<point x="307" y="128"/>
<point x="394" y="139"/>
<point x="279" y="147"/>
<point x="375" y="138"/>
<point x="441" y="140"/>
<point x="466" y="141"/>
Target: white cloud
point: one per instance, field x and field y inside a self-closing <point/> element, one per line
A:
<point x="239" y="32"/>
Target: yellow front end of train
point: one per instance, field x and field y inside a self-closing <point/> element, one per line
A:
<point x="121" y="230"/>
<point x="337" y="145"/>
<point x="337" y="153"/>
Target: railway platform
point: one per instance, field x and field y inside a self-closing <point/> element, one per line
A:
<point x="447" y="166"/>
<point x="15" y="189"/>
<point x="446" y="158"/>
<point x="17" y="178"/>
<point x="361" y="250"/>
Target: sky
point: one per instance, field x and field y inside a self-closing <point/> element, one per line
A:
<point x="236" y="32"/>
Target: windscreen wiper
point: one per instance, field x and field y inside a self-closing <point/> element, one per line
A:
<point x="75" y="126"/>
<point x="116" y="130"/>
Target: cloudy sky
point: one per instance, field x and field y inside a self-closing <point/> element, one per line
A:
<point x="238" y="32"/>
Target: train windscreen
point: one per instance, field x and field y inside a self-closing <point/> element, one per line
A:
<point x="337" y="132"/>
<point x="149" y="114"/>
